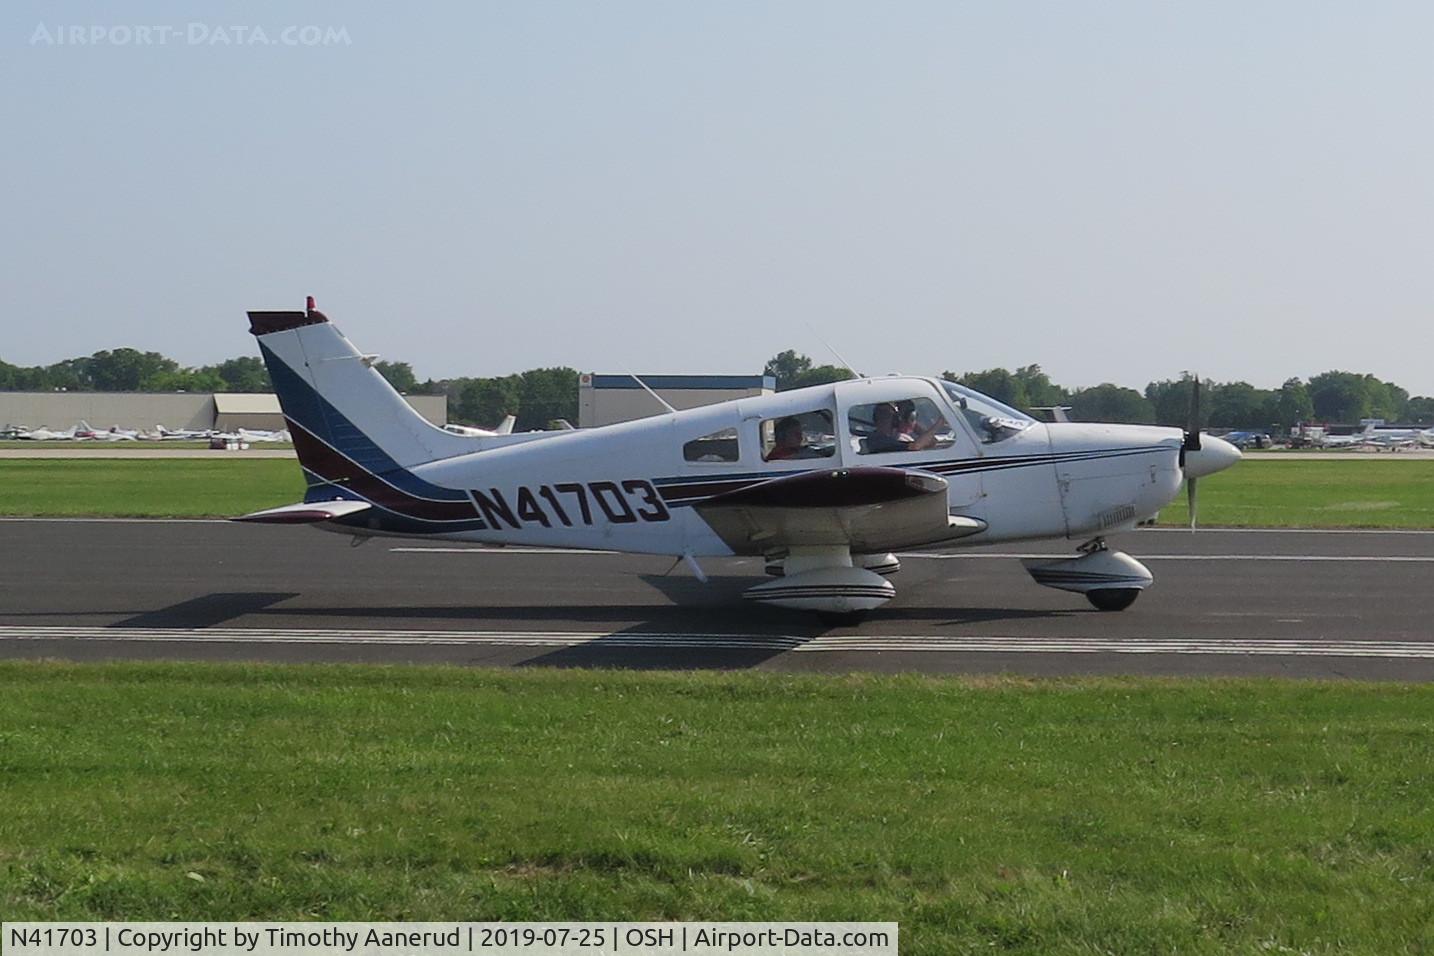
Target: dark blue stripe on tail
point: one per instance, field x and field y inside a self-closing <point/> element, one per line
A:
<point x="314" y="413"/>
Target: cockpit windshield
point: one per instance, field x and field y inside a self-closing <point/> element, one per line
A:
<point x="992" y="420"/>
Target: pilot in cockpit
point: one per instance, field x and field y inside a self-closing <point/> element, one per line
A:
<point x="893" y="433"/>
<point x="787" y="437"/>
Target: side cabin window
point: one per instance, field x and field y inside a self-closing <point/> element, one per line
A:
<point x="913" y="424"/>
<point x="719" y="446"/>
<point x="793" y="437"/>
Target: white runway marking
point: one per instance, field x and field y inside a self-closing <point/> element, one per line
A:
<point x="778" y="643"/>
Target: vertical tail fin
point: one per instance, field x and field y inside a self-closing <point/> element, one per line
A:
<point x="335" y="401"/>
<point x="356" y="438"/>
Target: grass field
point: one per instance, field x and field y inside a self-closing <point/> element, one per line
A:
<point x="177" y="487"/>
<point x="80" y="447"/>
<point x="1060" y="816"/>
<point x="1316" y="494"/>
<point x="1256" y="493"/>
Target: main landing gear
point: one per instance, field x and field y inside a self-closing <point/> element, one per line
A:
<point x="838" y="586"/>
<point x="1110" y="580"/>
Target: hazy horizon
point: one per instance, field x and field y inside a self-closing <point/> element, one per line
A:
<point x="1115" y="191"/>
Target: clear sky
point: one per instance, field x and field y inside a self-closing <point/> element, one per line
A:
<point x="1117" y="191"/>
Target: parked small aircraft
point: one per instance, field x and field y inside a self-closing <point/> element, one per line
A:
<point x="825" y="482"/>
<point x="1374" y="434"/>
<point x="183" y="434"/>
<point x="1379" y="435"/>
<point x="261" y="435"/>
<point x="46" y="434"/>
<point x="505" y="427"/>
<point x="86" y="432"/>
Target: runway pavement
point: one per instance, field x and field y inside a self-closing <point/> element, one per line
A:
<point x="1313" y="604"/>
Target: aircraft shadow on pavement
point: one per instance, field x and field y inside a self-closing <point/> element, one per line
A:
<point x="705" y="627"/>
<point x="211" y="610"/>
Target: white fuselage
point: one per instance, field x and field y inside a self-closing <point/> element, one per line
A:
<point x="629" y="487"/>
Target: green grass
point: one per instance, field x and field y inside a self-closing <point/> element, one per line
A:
<point x="175" y="487"/>
<point x="1060" y="816"/>
<point x="1315" y="494"/>
<point x="1255" y="493"/>
<point x="82" y="448"/>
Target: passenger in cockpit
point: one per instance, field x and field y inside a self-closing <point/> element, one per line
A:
<point x="906" y="423"/>
<point x="788" y="440"/>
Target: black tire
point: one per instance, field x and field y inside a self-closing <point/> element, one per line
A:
<point x="841" y="618"/>
<point x="1112" y="599"/>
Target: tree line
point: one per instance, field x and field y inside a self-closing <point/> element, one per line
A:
<point x="537" y="396"/>
<point x="1335" y="396"/>
<point x="130" y="370"/>
<point x="542" y="395"/>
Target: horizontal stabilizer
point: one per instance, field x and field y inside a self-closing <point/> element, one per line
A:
<point x="310" y="513"/>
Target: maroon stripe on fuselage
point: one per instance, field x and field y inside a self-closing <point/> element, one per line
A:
<point x="680" y="494"/>
<point x="333" y="467"/>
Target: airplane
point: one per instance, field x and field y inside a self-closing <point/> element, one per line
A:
<point x="813" y="480"/>
<point x="1394" y="438"/>
<point x="259" y="435"/>
<point x="86" y="432"/>
<point x="1374" y="434"/>
<point x="183" y="434"/>
<point x="505" y="427"/>
<point x="1393" y="441"/>
<point x="1342" y="441"/>
<point x="46" y="434"/>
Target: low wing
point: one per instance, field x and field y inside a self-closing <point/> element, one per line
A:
<point x="310" y="513"/>
<point x="868" y="510"/>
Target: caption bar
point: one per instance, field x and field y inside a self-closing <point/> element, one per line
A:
<point x="447" y="939"/>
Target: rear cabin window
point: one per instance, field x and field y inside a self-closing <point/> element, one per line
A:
<point x="718" y="446"/>
<point x="913" y="424"/>
<point x="794" y="437"/>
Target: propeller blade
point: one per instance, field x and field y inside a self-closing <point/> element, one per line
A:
<point x="1191" y="500"/>
<point x="1192" y="426"/>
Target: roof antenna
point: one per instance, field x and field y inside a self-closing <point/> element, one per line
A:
<point x="651" y="392"/>
<point x="831" y="348"/>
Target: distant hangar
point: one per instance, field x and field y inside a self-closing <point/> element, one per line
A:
<point x="606" y="399"/>
<point x="221" y="411"/>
